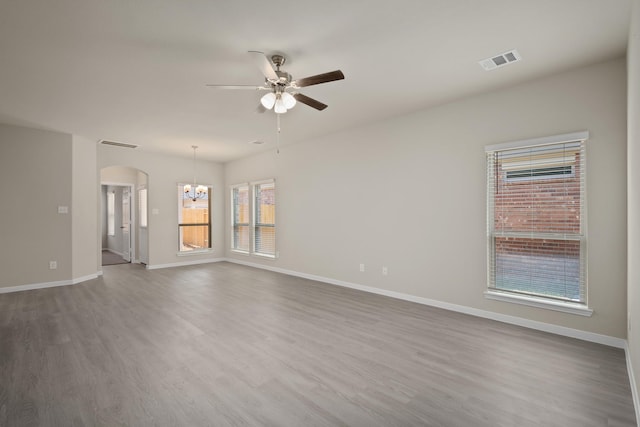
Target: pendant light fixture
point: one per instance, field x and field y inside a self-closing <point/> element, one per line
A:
<point x="196" y="191"/>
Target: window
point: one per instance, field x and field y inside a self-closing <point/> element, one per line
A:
<point x="257" y="237"/>
<point x="194" y="221"/>
<point x="111" y="213"/>
<point x="142" y="207"/>
<point x="240" y="218"/>
<point x="536" y="218"/>
<point x="264" y="218"/>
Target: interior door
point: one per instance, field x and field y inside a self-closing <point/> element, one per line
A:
<point x="126" y="224"/>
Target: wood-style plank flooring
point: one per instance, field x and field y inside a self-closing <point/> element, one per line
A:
<point x="223" y="344"/>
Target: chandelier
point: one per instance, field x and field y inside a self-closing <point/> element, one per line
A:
<point x="196" y="191"/>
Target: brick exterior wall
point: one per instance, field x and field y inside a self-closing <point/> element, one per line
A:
<point x="548" y="205"/>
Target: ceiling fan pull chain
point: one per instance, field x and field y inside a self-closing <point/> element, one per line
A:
<point x="277" y="133"/>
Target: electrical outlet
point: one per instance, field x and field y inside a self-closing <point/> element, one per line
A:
<point x="385" y="271"/>
<point x="362" y="268"/>
<point x="53" y="265"/>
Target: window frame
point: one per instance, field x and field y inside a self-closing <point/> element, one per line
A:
<point x="537" y="300"/>
<point x="234" y="246"/>
<point x="253" y="223"/>
<point x="180" y="189"/>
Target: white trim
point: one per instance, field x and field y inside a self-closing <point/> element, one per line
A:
<point x="531" y="324"/>
<point x="565" y="307"/>
<point x="43" y="285"/>
<point x="632" y="382"/>
<point x="263" y="181"/>
<point x="240" y="252"/>
<point x="195" y="252"/>
<point x="554" y="139"/>
<point x="184" y="263"/>
<point x="261" y="255"/>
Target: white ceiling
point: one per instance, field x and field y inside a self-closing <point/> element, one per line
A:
<point x="135" y="70"/>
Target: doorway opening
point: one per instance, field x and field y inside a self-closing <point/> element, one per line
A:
<point x="124" y="216"/>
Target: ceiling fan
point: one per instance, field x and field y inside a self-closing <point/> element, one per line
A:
<point x="282" y="88"/>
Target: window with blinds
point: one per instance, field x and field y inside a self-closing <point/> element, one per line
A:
<point x="536" y="219"/>
<point x="254" y="233"/>
<point x="240" y="218"/>
<point x="264" y="218"/>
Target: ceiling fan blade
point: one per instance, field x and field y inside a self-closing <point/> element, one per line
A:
<point x="244" y="87"/>
<point x="263" y="63"/>
<point x="309" y="101"/>
<point x="320" y="78"/>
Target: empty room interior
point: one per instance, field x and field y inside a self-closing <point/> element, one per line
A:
<point x="338" y="213"/>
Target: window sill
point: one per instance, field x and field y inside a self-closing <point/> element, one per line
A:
<point x="240" y="252"/>
<point x="264" y="255"/>
<point x="565" y="307"/>
<point x="196" y="252"/>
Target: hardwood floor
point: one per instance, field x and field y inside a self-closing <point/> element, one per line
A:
<point x="223" y="344"/>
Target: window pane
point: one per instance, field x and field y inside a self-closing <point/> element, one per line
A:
<point x="194" y="237"/>
<point x="265" y="219"/>
<point x="240" y="212"/>
<point x="241" y="237"/>
<point x="538" y="266"/>
<point x="532" y="204"/>
<point x="266" y="240"/>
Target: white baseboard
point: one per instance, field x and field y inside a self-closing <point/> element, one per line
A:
<point x="184" y="263"/>
<point x="633" y="384"/>
<point x="531" y="324"/>
<point x="44" y="285"/>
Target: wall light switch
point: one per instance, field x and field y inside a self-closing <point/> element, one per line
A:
<point x="53" y="265"/>
<point x="385" y="271"/>
<point x="362" y="268"/>
<point x="63" y="209"/>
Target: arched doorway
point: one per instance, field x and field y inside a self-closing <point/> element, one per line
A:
<point x="123" y="192"/>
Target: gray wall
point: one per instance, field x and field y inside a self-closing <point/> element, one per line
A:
<point x="409" y="194"/>
<point x="633" y="58"/>
<point x="164" y="172"/>
<point x="39" y="171"/>
<point x="84" y="208"/>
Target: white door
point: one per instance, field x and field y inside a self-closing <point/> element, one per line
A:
<point x="126" y="224"/>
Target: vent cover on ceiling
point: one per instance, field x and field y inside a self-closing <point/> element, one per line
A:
<point x="117" y="144"/>
<point x="500" y="60"/>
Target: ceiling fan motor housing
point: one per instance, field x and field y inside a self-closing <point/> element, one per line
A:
<point x="284" y="78"/>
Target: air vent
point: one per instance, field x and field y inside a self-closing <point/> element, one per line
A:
<point x="257" y="142"/>
<point x="117" y="144"/>
<point x="500" y="60"/>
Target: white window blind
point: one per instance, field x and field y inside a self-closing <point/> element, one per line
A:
<point x="536" y="220"/>
<point x="240" y="217"/>
<point x="264" y="218"/>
